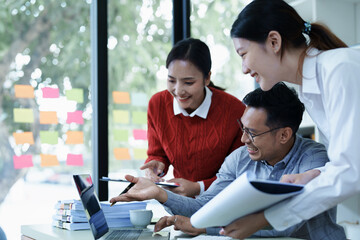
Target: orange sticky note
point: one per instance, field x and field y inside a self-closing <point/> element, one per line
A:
<point x="122" y="154"/>
<point x="121" y="97"/>
<point x="48" y="160"/>
<point x="74" y="160"/>
<point x="74" y="137"/>
<point x="23" y="137"/>
<point x="23" y="161"/>
<point x="48" y="117"/>
<point x="24" y="91"/>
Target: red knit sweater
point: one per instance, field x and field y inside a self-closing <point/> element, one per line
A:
<point x="196" y="147"/>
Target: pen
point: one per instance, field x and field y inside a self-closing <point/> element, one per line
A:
<point x="125" y="191"/>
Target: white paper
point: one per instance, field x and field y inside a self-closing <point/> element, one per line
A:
<point x="241" y="198"/>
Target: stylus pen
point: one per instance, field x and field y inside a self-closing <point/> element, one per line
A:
<point x="125" y="191"/>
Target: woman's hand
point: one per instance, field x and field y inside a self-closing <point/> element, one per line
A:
<point x="153" y="170"/>
<point x="144" y="189"/>
<point x="186" y="187"/>
<point x="246" y="226"/>
<point x="180" y="223"/>
<point x="300" y="178"/>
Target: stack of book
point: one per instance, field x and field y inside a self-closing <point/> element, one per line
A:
<point x="70" y="214"/>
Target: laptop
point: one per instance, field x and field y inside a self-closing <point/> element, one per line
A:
<point x="96" y="217"/>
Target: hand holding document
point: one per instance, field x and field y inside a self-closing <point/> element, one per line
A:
<point x="242" y="197"/>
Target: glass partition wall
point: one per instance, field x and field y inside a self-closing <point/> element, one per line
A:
<point x="45" y="107"/>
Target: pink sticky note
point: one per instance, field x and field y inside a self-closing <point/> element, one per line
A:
<point x="75" y="117"/>
<point x="140" y="134"/>
<point x="49" y="92"/>
<point x="23" y="161"/>
<point x="74" y="160"/>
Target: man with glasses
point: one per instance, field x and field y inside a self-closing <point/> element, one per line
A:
<point x="272" y="149"/>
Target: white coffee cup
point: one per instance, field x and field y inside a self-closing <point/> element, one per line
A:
<point x="140" y="218"/>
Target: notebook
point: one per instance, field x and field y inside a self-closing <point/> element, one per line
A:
<point x="96" y="217"/>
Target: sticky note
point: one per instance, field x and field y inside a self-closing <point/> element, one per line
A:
<point x="75" y="94"/>
<point x="75" y="117"/>
<point x="121" y="135"/>
<point x="74" y="137"/>
<point x="23" y="161"/>
<point x="24" y="91"/>
<point x="122" y="154"/>
<point x="140" y="154"/>
<point x="48" y="117"/>
<point x="49" y="92"/>
<point x="49" y="137"/>
<point x="139" y="99"/>
<point x="23" y="115"/>
<point x="48" y="160"/>
<point x="121" y="97"/>
<point x="23" y="137"/>
<point x="140" y="134"/>
<point x="74" y="160"/>
<point x="121" y="116"/>
<point x="139" y="117"/>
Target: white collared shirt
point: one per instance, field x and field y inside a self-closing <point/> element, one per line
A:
<point x="201" y="111"/>
<point x="330" y="92"/>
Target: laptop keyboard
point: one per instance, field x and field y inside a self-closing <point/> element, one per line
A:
<point x="124" y="234"/>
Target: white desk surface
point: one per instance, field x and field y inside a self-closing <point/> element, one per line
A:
<point x="48" y="232"/>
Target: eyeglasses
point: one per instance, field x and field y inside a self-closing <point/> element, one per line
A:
<point x="251" y="135"/>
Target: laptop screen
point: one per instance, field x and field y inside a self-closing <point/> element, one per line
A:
<point x="91" y="203"/>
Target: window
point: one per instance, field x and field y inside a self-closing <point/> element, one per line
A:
<point x="45" y="107"/>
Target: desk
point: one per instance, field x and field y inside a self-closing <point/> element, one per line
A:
<point x="48" y="232"/>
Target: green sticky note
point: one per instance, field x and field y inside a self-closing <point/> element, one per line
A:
<point x="121" y="116"/>
<point x="121" y="135"/>
<point x="75" y="94"/>
<point x="23" y="115"/>
<point x="139" y="117"/>
<point x="50" y="137"/>
<point x="140" y="154"/>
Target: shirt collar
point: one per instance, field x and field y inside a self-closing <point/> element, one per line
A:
<point x="201" y="111"/>
<point x="309" y="83"/>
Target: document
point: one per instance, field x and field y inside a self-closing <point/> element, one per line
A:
<point x="242" y="197"/>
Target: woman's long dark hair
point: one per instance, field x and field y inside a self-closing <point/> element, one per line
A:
<point x="194" y="51"/>
<point x="260" y="17"/>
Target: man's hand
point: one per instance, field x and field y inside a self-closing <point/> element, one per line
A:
<point x="246" y="226"/>
<point x="153" y="170"/>
<point x="144" y="189"/>
<point x="186" y="187"/>
<point x="300" y="178"/>
<point x="180" y="223"/>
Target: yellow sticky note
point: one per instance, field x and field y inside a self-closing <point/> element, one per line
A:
<point x="140" y="154"/>
<point x="23" y="115"/>
<point x="48" y="160"/>
<point x="139" y="117"/>
<point x="48" y="117"/>
<point x="121" y="97"/>
<point x="23" y="137"/>
<point x="24" y="91"/>
<point x="74" y="137"/>
<point x="121" y="116"/>
<point x="121" y="135"/>
<point x="122" y="154"/>
<point x="49" y="137"/>
<point x="75" y="94"/>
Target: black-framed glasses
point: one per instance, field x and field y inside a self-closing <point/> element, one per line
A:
<point x="251" y="135"/>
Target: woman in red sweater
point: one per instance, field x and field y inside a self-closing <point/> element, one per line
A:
<point x="193" y="124"/>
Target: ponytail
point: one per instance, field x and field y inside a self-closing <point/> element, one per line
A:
<point x="322" y="38"/>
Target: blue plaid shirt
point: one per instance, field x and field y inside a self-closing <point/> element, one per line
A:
<point x="304" y="155"/>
